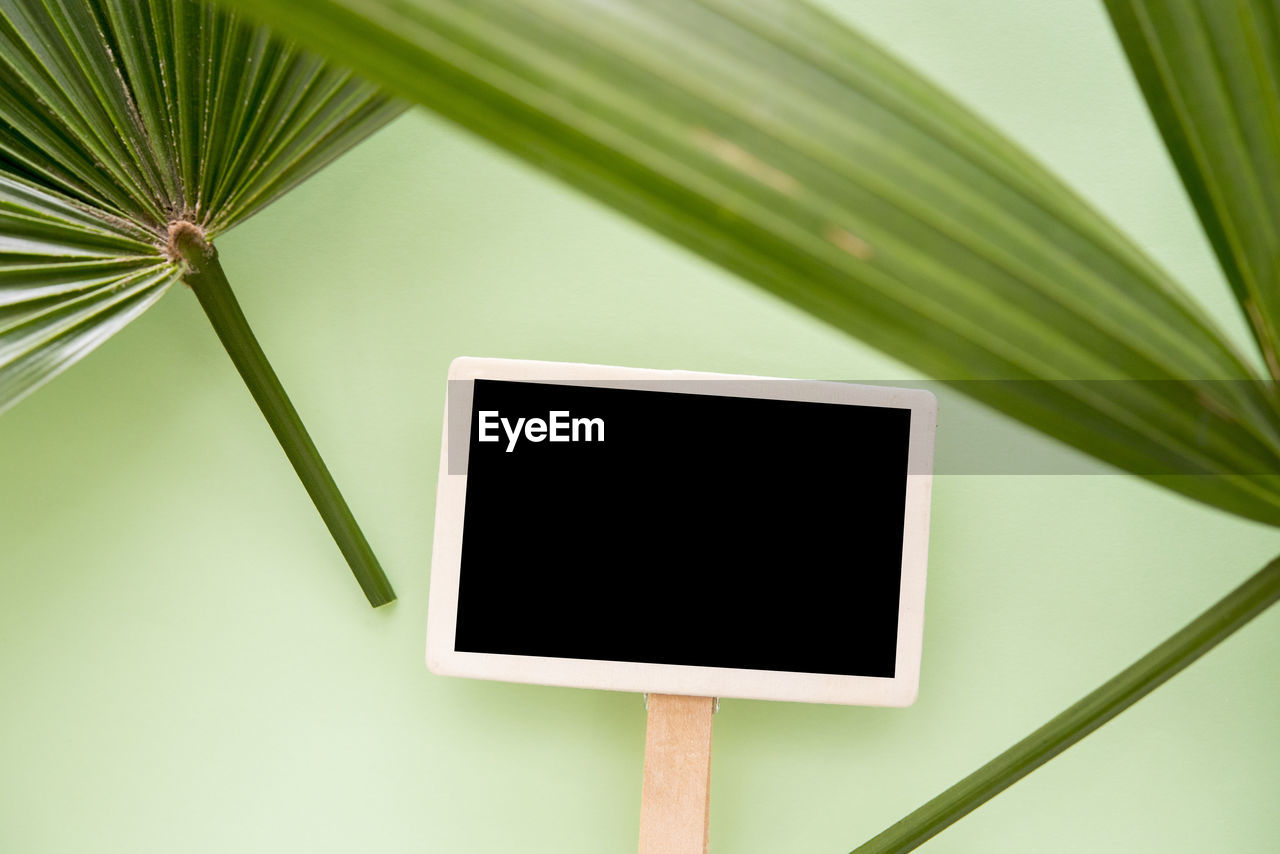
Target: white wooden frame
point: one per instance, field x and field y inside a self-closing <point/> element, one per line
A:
<point x="900" y="690"/>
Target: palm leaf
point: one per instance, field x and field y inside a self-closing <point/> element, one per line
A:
<point x="69" y="278"/>
<point x="768" y="137"/>
<point x="796" y="153"/>
<point x="1210" y="70"/>
<point x="120" y="118"/>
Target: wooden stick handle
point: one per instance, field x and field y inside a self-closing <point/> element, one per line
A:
<point x="677" y="775"/>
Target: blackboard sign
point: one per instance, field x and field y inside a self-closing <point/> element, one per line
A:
<point x="678" y="532"/>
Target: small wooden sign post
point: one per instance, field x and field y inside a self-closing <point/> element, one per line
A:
<point x="570" y="483"/>
<point x="675" y="799"/>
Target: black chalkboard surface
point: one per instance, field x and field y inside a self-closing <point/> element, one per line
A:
<point x="644" y="530"/>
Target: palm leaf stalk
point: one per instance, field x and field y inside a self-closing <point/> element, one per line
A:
<point x="204" y="274"/>
<point x="1084" y="717"/>
<point x="132" y="134"/>
<point x="772" y="139"/>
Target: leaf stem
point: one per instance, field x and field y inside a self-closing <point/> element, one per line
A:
<point x="205" y="276"/>
<point x="1113" y="697"/>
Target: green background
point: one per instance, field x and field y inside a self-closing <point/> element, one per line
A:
<point x="187" y="665"/>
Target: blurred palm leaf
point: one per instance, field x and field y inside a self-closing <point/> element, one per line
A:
<point x="793" y="151"/>
<point x="1210" y="70"/>
<point x="770" y="138"/>
<point x="121" y="117"/>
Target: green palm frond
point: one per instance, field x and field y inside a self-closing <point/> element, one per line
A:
<point x="1210" y="70"/>
<point x="121" y="118"/>
<point x="70" y="277"/>
<point x="775" y="141"/>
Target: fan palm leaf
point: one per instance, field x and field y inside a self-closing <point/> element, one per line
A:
<point x="126" y="122"/>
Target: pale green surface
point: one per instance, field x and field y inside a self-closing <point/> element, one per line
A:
<point x="187" y="665"/>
